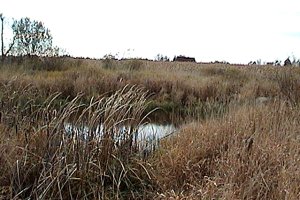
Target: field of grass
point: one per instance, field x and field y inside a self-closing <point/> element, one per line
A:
<point x="239" y="136"/>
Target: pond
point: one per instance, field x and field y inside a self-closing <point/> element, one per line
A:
<point x="144" y="132"/>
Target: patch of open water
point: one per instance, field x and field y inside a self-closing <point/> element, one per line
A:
<point x="144" y="132"/>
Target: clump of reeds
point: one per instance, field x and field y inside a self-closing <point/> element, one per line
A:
<point x="64" y="154"/>
<point x="250" y="153"/>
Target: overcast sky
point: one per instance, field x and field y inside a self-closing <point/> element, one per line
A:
<point x="233" y="30"/>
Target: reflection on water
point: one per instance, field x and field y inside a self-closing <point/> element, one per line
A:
<point x="144" y="132"/>
<point x="155" y="131"/>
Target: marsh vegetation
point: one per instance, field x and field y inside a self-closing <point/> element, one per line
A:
<point x="238" y="136"/>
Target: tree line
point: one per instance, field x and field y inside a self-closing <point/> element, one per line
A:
<point x="32" y="38"/>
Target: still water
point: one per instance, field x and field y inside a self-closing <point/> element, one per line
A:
<point x="148" y="132"/>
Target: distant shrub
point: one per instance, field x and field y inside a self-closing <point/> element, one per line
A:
<point x="160" y="57"/>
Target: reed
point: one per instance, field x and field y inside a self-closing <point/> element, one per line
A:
<point x="52" y="162"/>
<point x="250" y="153"/>
<point x="180" y="85"/>
<point x="70" y="132"/>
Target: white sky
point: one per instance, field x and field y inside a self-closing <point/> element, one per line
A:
<point x="233" y="30"/>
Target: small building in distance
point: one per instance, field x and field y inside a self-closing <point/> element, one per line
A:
<point x="183" y="59"/>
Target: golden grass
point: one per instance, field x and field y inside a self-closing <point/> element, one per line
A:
<point x="251" y="153"/>
<point x="238" y="147"/>
<point x="179" y="83"/>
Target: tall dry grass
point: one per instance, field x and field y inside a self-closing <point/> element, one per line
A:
<point x="48" y="160"/>
<point x="243" y="143"/>
<point x="251" y="153"/>
<point x="179" y="84"/>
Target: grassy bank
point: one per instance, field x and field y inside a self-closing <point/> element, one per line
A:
<point x="251" y="153"/>
<point x="175" y="87"/>
<point x="243" y="143"/>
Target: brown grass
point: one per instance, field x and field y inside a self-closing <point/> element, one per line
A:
<point x="44" y="160"/>
<point x="216" y="159"/>
<point x="235" y="148"/>
<point x="181" y="84"/>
